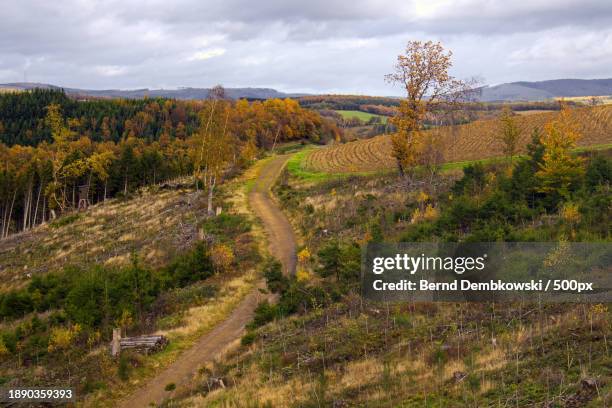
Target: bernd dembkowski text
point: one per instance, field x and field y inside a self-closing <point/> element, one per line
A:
<point x="486" y="272"/>
<point x="459" y="265"/>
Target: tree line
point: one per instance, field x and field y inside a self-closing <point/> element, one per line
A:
<point x="40" y="179"/>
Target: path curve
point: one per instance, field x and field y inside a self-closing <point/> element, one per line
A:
<point x="281" y="242"/>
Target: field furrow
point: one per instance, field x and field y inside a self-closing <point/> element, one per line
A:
<point x="473" y="141"/>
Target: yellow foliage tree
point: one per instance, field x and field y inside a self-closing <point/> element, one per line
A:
<point x="303" y="275"/>
<point x="303" y="256"/>
<point x="510" y="133"/>
<point x="422" y="197"/>
<point x="560" y="170"/>
<point x="58" y="151"/>
<point x="61" y="337"/>
<point x="570" y="213"/>
<point x="431" y="213"/>
<point x="367" y="237"/>
<point x="99" y="164"/>
<point x="215" y="150"/>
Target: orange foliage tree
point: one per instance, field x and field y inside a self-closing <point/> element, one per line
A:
<point x="423" y="71"/>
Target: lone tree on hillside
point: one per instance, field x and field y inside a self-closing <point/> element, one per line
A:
<point x="509" y="133"/>
<point x="423" y="70"/>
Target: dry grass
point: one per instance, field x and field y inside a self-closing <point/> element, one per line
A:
<point x="384" y="379"/>
<point x="533" y="112"/>
<point x="205" y="317"/>
<point x="197" y="321"/>
<point x="155" y="226"/>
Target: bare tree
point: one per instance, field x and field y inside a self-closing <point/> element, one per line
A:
<point x="594" y="101"/>
<point x="217" y="93"/>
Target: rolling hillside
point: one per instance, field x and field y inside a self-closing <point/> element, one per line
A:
<point x="473" y="141"/>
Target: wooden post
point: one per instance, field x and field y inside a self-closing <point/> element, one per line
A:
<point x="116" y="343"/>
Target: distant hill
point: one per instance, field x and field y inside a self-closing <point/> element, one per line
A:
<point x="513" y="91"/>
<point x="181" y="93"/>
<point x="542" y="90"/>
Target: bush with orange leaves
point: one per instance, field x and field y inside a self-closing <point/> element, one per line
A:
<point x="222" y="257"/>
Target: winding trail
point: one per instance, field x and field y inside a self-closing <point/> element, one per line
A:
<point x="281" y="242"/>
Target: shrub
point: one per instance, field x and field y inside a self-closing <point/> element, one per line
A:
<point x="264" y="313"/>
<point x="341" y="261"/>
<point x="222" y="257"/>
<point x="276" y="281"/>
<point x="598" y="173"/>
<point x="248" y="338"/>
<point x="190" y="267"/>
<point x="473" y="180"/>
<point x="62" y="337"/>
<point x="227" y="224"/>
<point x="16" y="304"/>
<point x="123" y="370"/>
<point x="65" y="220"/>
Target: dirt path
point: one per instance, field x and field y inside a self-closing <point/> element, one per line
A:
<point x="281" y="243"/>
<point x="281" y="239"/>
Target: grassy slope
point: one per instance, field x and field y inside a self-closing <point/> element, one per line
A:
<point x="356" y="353"/>
<point x="155" y="225"/>
<point x="364" y="116"/>
<point x="298" y="169"/>
<point x="473" y="141"/>
<point x="200" y="319"/>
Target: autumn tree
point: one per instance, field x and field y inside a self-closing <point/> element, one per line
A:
<point x="509" y="133"/>
<point x="59" y="150"/>
<point x="100" y="163"/>
<point x="560" y="170"/>
<point x="215" y="146"/>
<point x="51" y="144"/>
<point x="423" y="71"/>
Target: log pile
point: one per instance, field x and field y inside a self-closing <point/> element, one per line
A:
<point x="146" y="344"/>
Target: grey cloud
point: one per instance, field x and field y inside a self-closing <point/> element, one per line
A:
<point x="316" y="45"/>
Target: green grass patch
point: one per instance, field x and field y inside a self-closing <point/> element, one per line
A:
<point x="296" y="169"/>
<point x="65" y="220"/>
<point x="605" y="146"/>
<point x="363" y="116"/>
<point x="289" y="147"/>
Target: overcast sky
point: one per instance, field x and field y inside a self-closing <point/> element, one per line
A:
<point x="296" y="46"/>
